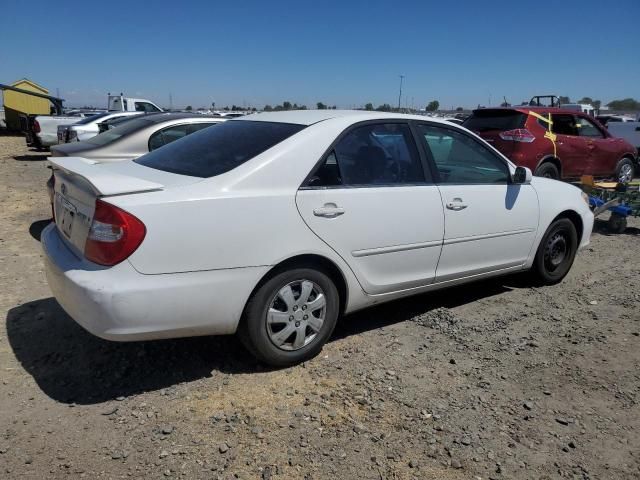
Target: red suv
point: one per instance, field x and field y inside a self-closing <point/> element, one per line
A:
<point x="554" y="142"/>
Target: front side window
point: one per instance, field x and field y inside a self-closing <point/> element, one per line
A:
<point x="214" y="151"/>
<point x="374" y="154"/>
<point x="461" y="159"/>
<point x="586" y="128"/>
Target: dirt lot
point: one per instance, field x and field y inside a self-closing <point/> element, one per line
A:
<point x="492" y="380"/>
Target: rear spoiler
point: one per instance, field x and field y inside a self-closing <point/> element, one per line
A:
<point x="103" y="181"/>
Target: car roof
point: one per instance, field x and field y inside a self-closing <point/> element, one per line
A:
<point x="527" y="108"/>
<point x="309" y="117"/>
<point x="160" y="117"/>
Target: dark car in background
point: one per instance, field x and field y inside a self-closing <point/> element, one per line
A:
<point x="555" y="143"/>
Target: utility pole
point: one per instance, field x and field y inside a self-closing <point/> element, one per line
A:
<point x="400" y="94"/>
<point x="170" y="102"/>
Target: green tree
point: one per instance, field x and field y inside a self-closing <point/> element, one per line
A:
<point x="302" y="107"/>
<point x="562" y="99"/>
<point x="226" y="108"/>
<point x="588" y="100"/>
<point x="385" y="107"/>
<point x="189" y="108"/>
<point x="321" y="106"/>
<point x="597" y="104"/>
<point x="459" y="109"/>
<point x="625" y="104"/>
<point x="287" y="106"/>
<point x="334" y="107"/>
<point x="268" y="108"/>
<point x="368" y="106"/>
<point x="433" y="106"/>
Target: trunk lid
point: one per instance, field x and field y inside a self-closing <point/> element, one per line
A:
<point x="78" y="183"/>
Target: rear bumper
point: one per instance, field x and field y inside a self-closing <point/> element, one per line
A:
<point x="121" y="304"/>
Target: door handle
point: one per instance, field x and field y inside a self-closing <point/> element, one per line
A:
<point x="456" y="205"/>
<point x="330" y="210"/>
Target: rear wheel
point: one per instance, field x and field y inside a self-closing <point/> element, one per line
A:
<point x="290" y="317"/>
<point x="624" y="171"/>
<point x="548" y="170"/>
<point x="556" y="252"/>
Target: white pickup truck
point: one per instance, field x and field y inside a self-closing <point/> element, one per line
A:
<point x="89" y="127"/>
<point x="42" y="131"/>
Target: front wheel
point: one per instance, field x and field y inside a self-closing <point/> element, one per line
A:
<point x="556" y="252"/>
<point x="290" y="317"/>
<point x="624" y="171"/>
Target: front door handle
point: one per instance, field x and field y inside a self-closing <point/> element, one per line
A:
<point x="456" y="204"/>
<point x="329" y="210"/>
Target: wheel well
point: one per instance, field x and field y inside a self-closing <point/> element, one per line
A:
<point x="575" y="219"/>
<point x="312" y="261"/>
<point x="553" y="160"/>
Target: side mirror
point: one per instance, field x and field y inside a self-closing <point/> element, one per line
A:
<point x="522" y="176"/>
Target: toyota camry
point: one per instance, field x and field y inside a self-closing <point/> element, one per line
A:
<point x="276" y="225"/>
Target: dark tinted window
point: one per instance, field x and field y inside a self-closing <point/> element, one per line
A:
<point x="213" y="151"/>
<point x="491" y="119"/>
<point x="127" y="127"/>
<point x="90" y="119"/>
<point x="563" y="124"/>
<point x="381" y="154"/>
<point x="461" y="159"/>
<point x="176" y="132"/>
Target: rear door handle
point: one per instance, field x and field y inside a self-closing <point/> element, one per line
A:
<point x="456" y="204"/>
<point x="330" y="210"/>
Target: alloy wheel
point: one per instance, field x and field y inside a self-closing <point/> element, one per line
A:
<point x="626" y="173"/>
<point x="296" y="315"/>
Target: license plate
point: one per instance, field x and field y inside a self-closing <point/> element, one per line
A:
<point x="67" y="214"/>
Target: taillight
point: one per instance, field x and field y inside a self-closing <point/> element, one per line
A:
<point x="36" y="127"/>
<point x="114" y="235"/>
<point x="518" y="135"/>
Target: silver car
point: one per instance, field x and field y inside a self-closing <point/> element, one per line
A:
<point x="136" y="137"/>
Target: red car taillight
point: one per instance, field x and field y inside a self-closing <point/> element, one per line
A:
<point x="518" y="135"/>
<point x="114" y="235"/>
<point x="36" y="127"/>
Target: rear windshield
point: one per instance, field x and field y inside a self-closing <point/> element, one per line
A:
<point x="485" y="120"/>
<point x="120" y="131"/>
<point x="91" y="118"/>
<point x="214" y="151"/>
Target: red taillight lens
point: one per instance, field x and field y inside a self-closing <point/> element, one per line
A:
<point x="36" y="126"/>
<point x="114" y="235"/>
<point x="518" y="135"/>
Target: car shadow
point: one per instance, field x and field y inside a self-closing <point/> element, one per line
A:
<point x="35" y="229"/>
<point x="32" y="158"/>
<point x="602" y="227"/>
<point x="72" y="366"/>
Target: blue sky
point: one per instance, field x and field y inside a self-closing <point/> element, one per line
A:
<point x="348" y="53"/>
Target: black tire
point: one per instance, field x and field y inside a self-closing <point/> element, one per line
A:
<point x="256" y="333"/>
<point x="548" y="170"/>
<point x="617" y="223"/>
<point x="556" y="252"/>
<point x="625" y="170"/>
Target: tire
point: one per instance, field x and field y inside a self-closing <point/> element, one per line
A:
<point x="556" y="252"/>
<point x="276" y="308"/>
<point x="548" y="170"/>
<point x="624" y="171"/>
<point x="617" y="223"/>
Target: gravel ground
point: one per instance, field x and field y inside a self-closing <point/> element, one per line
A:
<point x="492" y="380"/>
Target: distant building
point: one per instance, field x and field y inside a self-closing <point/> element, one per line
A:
<point x="16" y="103"/>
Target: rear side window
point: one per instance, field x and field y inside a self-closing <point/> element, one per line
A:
<point x="214" y="151"/>
<point x="370" y="155"/>
<point x="487" y="120"/>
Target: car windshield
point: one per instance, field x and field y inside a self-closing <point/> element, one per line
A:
<point x="120" y="131"/>
<point x="486" y="120"/>
<point x="92" y="118"/>
<point x="214" y="151"/>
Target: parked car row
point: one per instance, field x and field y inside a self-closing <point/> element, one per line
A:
<point x="273" y="225"/>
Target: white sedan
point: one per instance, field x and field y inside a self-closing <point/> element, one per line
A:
<point x="274" y="225"/>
